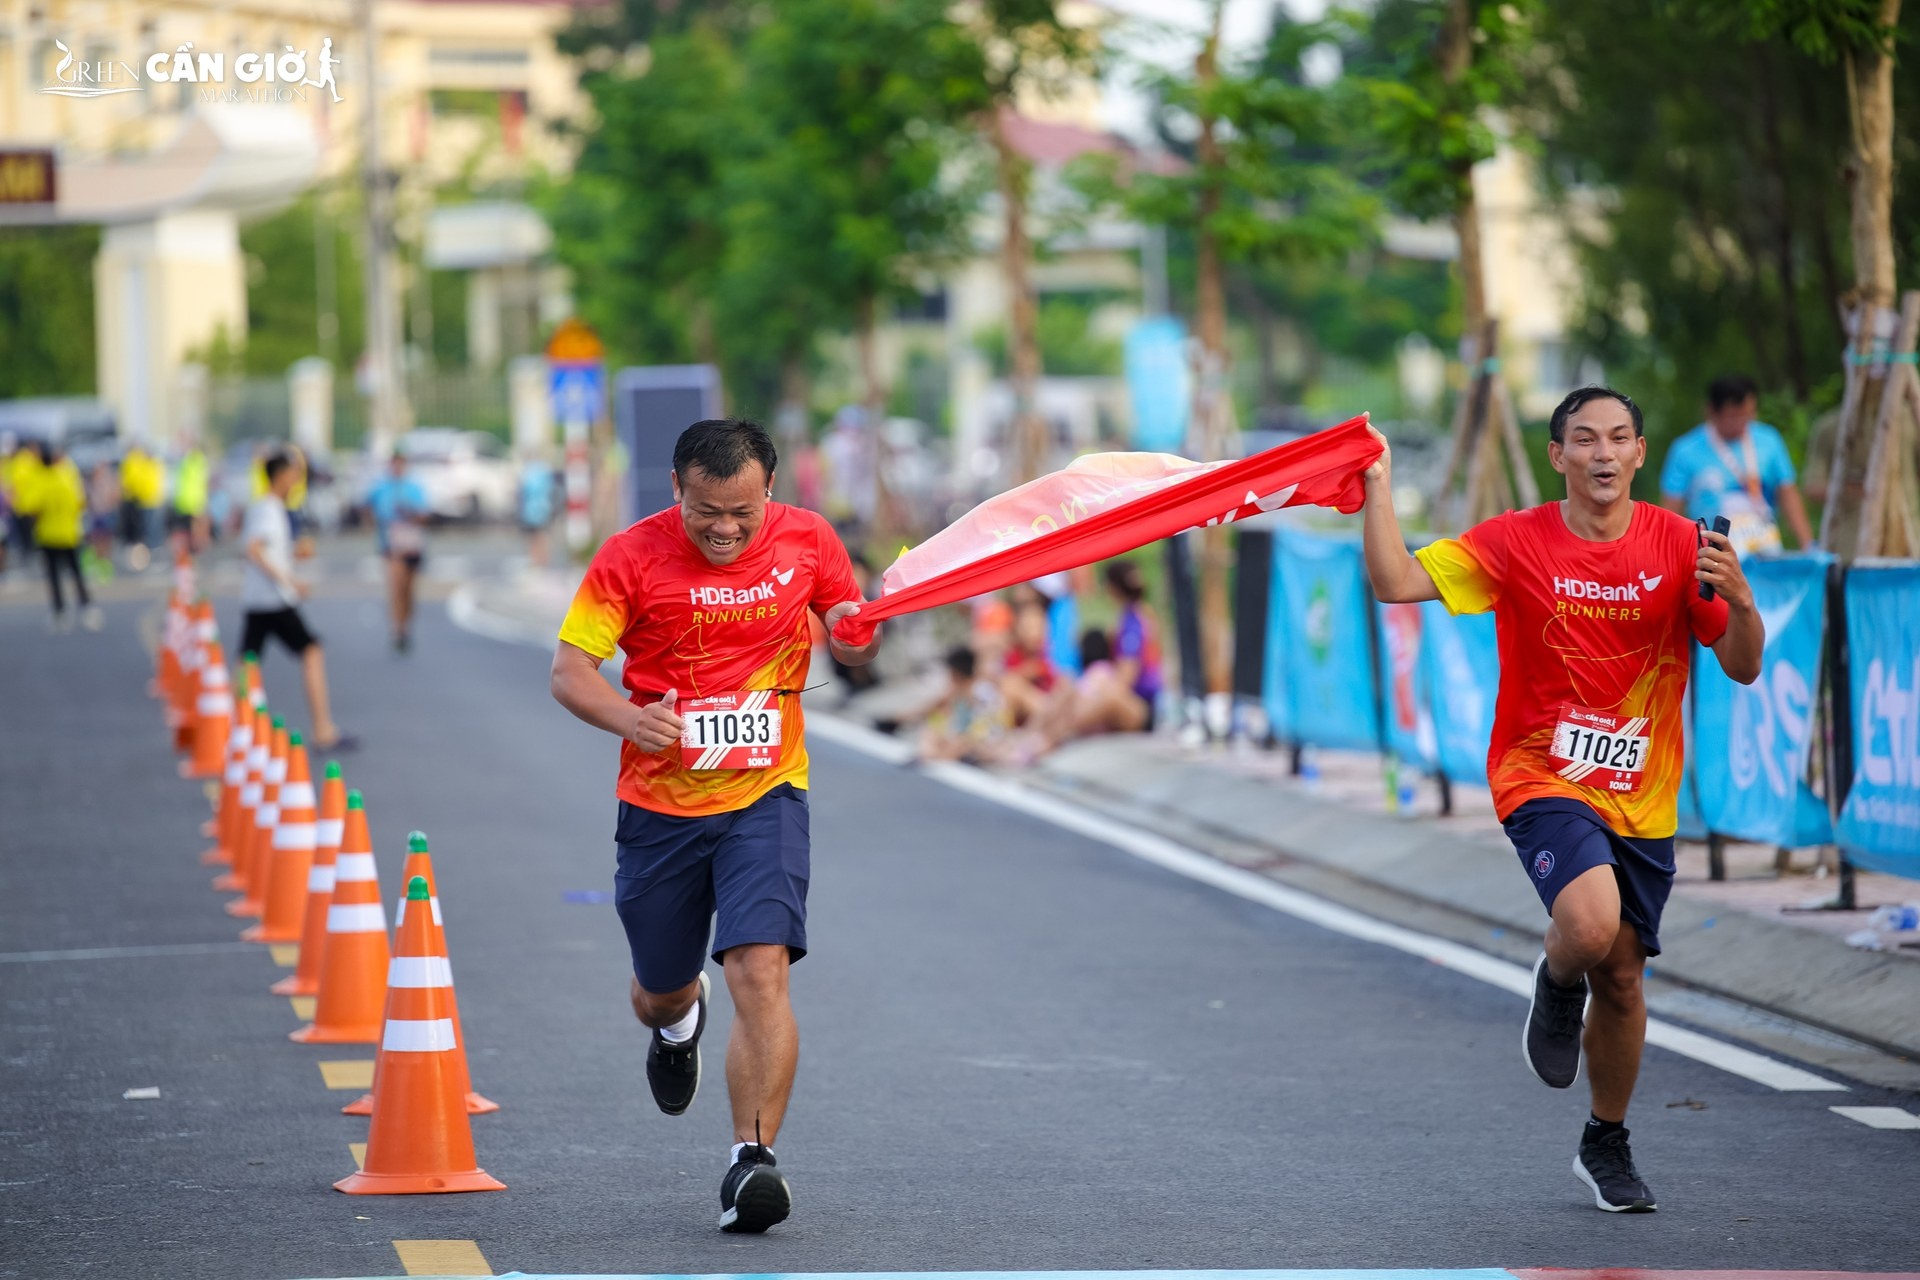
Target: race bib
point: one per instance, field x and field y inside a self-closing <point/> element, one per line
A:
<point x="1594" y="749"/>
<point x="407" y="538"/>
<point x="730" y="730"/>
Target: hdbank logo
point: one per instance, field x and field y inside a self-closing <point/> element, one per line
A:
<point x="716" y="597"/>
<point x="1587" y="589"/>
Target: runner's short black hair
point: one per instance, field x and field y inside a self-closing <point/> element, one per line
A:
<point x="277" y="461"/>
<point x="1731" y="388"/>
<point x="722" y="447"/>
<point x="1557" y="424"/>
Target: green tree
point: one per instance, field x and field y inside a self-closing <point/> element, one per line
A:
<point x="46" y="311"/>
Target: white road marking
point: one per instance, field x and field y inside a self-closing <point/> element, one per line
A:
<point x="126" y="953"/>
<point x="1177" y="858"/>
<point x="1879" y="1117"/>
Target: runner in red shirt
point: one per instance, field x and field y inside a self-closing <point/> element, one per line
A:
<point x="1594" y="600"/>
<point x="710" y="601"/>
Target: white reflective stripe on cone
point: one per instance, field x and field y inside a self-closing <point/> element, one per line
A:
<point x="236" y="775"/>
<point x="293" y="835"/>
<point x="419" y="971"/>
<point x="297" y="795"/>
<point x="329" y="831"/>
<point x="215" y="704"/>
<point x="267" y="816"/>
<point x="409" y="1035"/>
<point x="400" y="912"/>
<point x="276" y="771"/>
<point x="356" y="917"/>
<point x="251" y="794"/>
<point x="320" y="880"/>
<point x="354" y="866"/>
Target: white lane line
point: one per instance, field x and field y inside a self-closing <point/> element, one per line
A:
<point x="1879" y="1117"/>
<point x="1177" y="858"/>
<point x="849" y="733"/>
<point x="126" y="953"/>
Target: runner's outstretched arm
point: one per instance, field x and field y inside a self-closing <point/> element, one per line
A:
<point x="577" y="686"/>
<point x="1738" y="647"/>
<point x="1396" y="576"/>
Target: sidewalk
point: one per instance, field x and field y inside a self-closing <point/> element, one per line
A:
<point x="1455" y="876"/>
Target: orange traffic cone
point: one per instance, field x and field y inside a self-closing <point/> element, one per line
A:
<point x="305" y="979"/>
<point x="201" y="631"/>
<point x="259" y="842"/>
<point x="420" y="863"/>
<point x="213" y="716"/>
<point x="421" y="1140"/>
<point x="239" y="740"/>
<point x="252" y="792"/>
<point x="283" y="879"/>
<point x="166" y="674"/>
<point x="250" y="697"/>
<point x="353" y="964"/>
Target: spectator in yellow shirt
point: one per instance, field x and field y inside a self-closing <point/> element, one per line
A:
<point x="58" y="505"/>
<point x="143" y="482"/>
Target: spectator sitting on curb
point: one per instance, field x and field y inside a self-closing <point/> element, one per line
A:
<point x="969" y="721"/>
<point x="1027" y="678"/>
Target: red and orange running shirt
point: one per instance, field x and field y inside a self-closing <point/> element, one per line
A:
<point x="706" y="630"/>
<point x="1593" y="656"/>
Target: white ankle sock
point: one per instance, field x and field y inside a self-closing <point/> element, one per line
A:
<point x="682" y="1031"/>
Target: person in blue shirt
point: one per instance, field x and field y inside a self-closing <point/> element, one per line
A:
<point x="1735" y="467"/>
<point x="536" y="506"/>
<point x="400" y="512"/>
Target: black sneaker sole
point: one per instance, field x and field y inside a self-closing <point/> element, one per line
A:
<point x="1526" y="1034"/>
<point x="705" y="991"/>
<point x="762" y="1199"/>
<point x="1600" y="1201"/>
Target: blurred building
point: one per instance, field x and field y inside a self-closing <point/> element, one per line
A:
<point x="173" y="124"/>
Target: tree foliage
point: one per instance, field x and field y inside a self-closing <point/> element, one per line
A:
<point x="46" y="311"/>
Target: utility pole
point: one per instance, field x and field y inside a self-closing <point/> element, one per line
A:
<point x="389" y="414"/>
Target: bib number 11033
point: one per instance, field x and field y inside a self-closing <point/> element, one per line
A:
<point x="1606" y="752"/>
<point x="731" y="730"/>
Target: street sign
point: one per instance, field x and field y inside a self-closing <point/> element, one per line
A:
<point x="577" y="391"/>
<point x="27" y="177"/>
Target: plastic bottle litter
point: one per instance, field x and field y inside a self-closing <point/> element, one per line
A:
<point x="1889" y="927"/>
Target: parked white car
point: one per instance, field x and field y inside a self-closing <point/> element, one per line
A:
<point x="466" y="475"/>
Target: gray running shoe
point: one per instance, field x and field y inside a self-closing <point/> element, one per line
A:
<point x="1551" y="1039"/>
<point x="1606" y="1166"/>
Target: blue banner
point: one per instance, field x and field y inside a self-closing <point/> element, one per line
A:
<point x="1463" y="676"/>
<point x="1405" y="682"/>
<point x="1326" y="666"/>
<point x="1159" y="383"/>
<point x="1751" y="741"/>
<point x="1880" y="824"/>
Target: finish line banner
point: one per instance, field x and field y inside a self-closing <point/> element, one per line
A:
<point x="1880" y="824"/>
<point x="1751" y="742"/>
<point x="1107" y="504"/>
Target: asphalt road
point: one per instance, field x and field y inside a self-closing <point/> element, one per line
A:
<point x="1022" y="1049"/>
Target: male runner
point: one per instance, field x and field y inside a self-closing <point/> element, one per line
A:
<point x="710" y="600"/>
<point x="1594" y="599"/>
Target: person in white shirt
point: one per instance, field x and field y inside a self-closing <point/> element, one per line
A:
<point x="270" y="597"/>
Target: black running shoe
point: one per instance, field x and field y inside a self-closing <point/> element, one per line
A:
<point x="753" y="1195"/>
<point x="1606" y="1165"/>
<point x="673" y="1070"/>
<point x="1551" y="1039"/>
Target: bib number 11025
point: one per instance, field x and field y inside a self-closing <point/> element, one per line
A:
<point x="731" y="730"/>
<point x="1606" y="752"/>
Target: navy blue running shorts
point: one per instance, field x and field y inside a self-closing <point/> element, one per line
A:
<point x="741" y="876"/>
<point x="1558" y="840"/>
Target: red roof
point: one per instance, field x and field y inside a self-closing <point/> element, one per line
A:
<point x="1052" y="144"/>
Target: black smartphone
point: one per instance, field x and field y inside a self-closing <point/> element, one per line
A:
<point x="1721" y="526"/>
